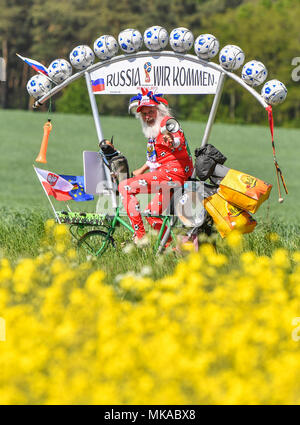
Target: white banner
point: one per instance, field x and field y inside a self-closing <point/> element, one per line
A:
<point x="167" y="75"/>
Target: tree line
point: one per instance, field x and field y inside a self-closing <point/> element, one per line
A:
<point x="267" y="30"/>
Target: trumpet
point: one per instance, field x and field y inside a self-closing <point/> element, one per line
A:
<point x="43" y="151"/>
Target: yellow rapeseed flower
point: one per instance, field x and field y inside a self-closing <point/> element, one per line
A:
<point x="204" y="334"/>
<point x="280" y="258"/>
<point x="4" y="297"/>
<point x="296" y="257"/>
<point x="5" y="270"/>
<point x="94" y="281"/>
<point x="248" y="257"/>
<point x="57" y="266"/>
<point x="274" y="237"/>
<point x="24" y="275"/>
<point x="49" y="225"/>
<point x="207" y="250"/>
<point x="234" y="239"/>
<point x="188" y="246"/>
<point x="217" y="260"/>
<point x="60" y="247"/>
<point x="61" y="231"/>
<point x="72" y="254"/>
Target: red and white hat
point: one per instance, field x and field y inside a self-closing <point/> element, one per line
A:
<point x="146" y="98"/>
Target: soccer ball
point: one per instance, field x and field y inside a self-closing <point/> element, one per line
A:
<point x="81" y="57"/>
<point x="38" y="85"/>
<point x="105" y="47"/>
<point x="231" y="57"/>
<point x="254" y="73"/>
<point x="130" y="40"/>
<point x="156" y="38"/>
<point x="181" y="39"/>
<point x="206" y="46"/>
<point x="59" y="70"/>
<point x="274" y="92"/>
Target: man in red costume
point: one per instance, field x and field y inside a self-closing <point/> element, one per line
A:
<point x="168" y="164"/>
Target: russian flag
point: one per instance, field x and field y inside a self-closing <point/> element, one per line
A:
<point x="37" y="66"/>
<point x="98" y="85"/>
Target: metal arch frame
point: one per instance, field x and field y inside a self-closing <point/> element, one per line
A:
<point x="148" y="54"/>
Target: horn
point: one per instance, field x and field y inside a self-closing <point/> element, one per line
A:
<point x="43" y="151"/>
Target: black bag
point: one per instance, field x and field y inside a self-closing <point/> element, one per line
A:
<point x="207" y="157"/>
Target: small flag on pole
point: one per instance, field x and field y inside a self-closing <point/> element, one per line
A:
<point x="54" y="185"/>
<point x="98" y="85"/>
<point x="78" y="192"/>
<point x="37" y="66"/>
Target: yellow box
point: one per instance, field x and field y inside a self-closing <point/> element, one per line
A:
<point x="244" y="191"/>
<point x="228" y="217"/>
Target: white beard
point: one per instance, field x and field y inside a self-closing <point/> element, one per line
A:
<point x="152" y="131"/>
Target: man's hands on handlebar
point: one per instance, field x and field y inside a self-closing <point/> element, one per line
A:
<point x="140" y="170"/>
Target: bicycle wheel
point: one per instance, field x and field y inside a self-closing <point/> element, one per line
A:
<point x="96" y="241"/>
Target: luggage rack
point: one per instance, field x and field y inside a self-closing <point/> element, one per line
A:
<point x="87" y="219"/>
<point x="90" y="219"/>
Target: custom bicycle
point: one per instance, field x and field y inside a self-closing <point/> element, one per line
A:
<point x="163" y="71"/>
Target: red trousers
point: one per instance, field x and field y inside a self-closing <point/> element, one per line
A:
<point x="160" y="182"/>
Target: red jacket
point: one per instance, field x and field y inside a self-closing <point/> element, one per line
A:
<point x="159" y="153"/>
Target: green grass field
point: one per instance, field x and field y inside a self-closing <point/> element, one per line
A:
<point x="24" y="207"/>
<point x="248" y="148"/>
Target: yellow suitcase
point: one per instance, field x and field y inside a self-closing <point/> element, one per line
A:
<point x="228" y="217"/>
<point x="244" y="191"/>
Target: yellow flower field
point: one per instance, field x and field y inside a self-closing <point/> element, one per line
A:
<point x="212" y="333"/>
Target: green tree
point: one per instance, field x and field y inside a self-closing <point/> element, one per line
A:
<point x="267" y="30"/>
<point x="15" y="37"/>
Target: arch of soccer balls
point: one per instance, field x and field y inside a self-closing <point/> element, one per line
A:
<point x="156" y="38"/>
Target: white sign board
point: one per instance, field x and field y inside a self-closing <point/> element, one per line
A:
<point x="167" y="75"/>
<point x="96" y="176"/>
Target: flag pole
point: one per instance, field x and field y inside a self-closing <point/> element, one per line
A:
<point x="40" y="72"/>
<point x="69" y="209"/>
<point x="55" y="213"/>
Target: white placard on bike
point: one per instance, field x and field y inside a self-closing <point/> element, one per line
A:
<point x="97" y="178"/>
